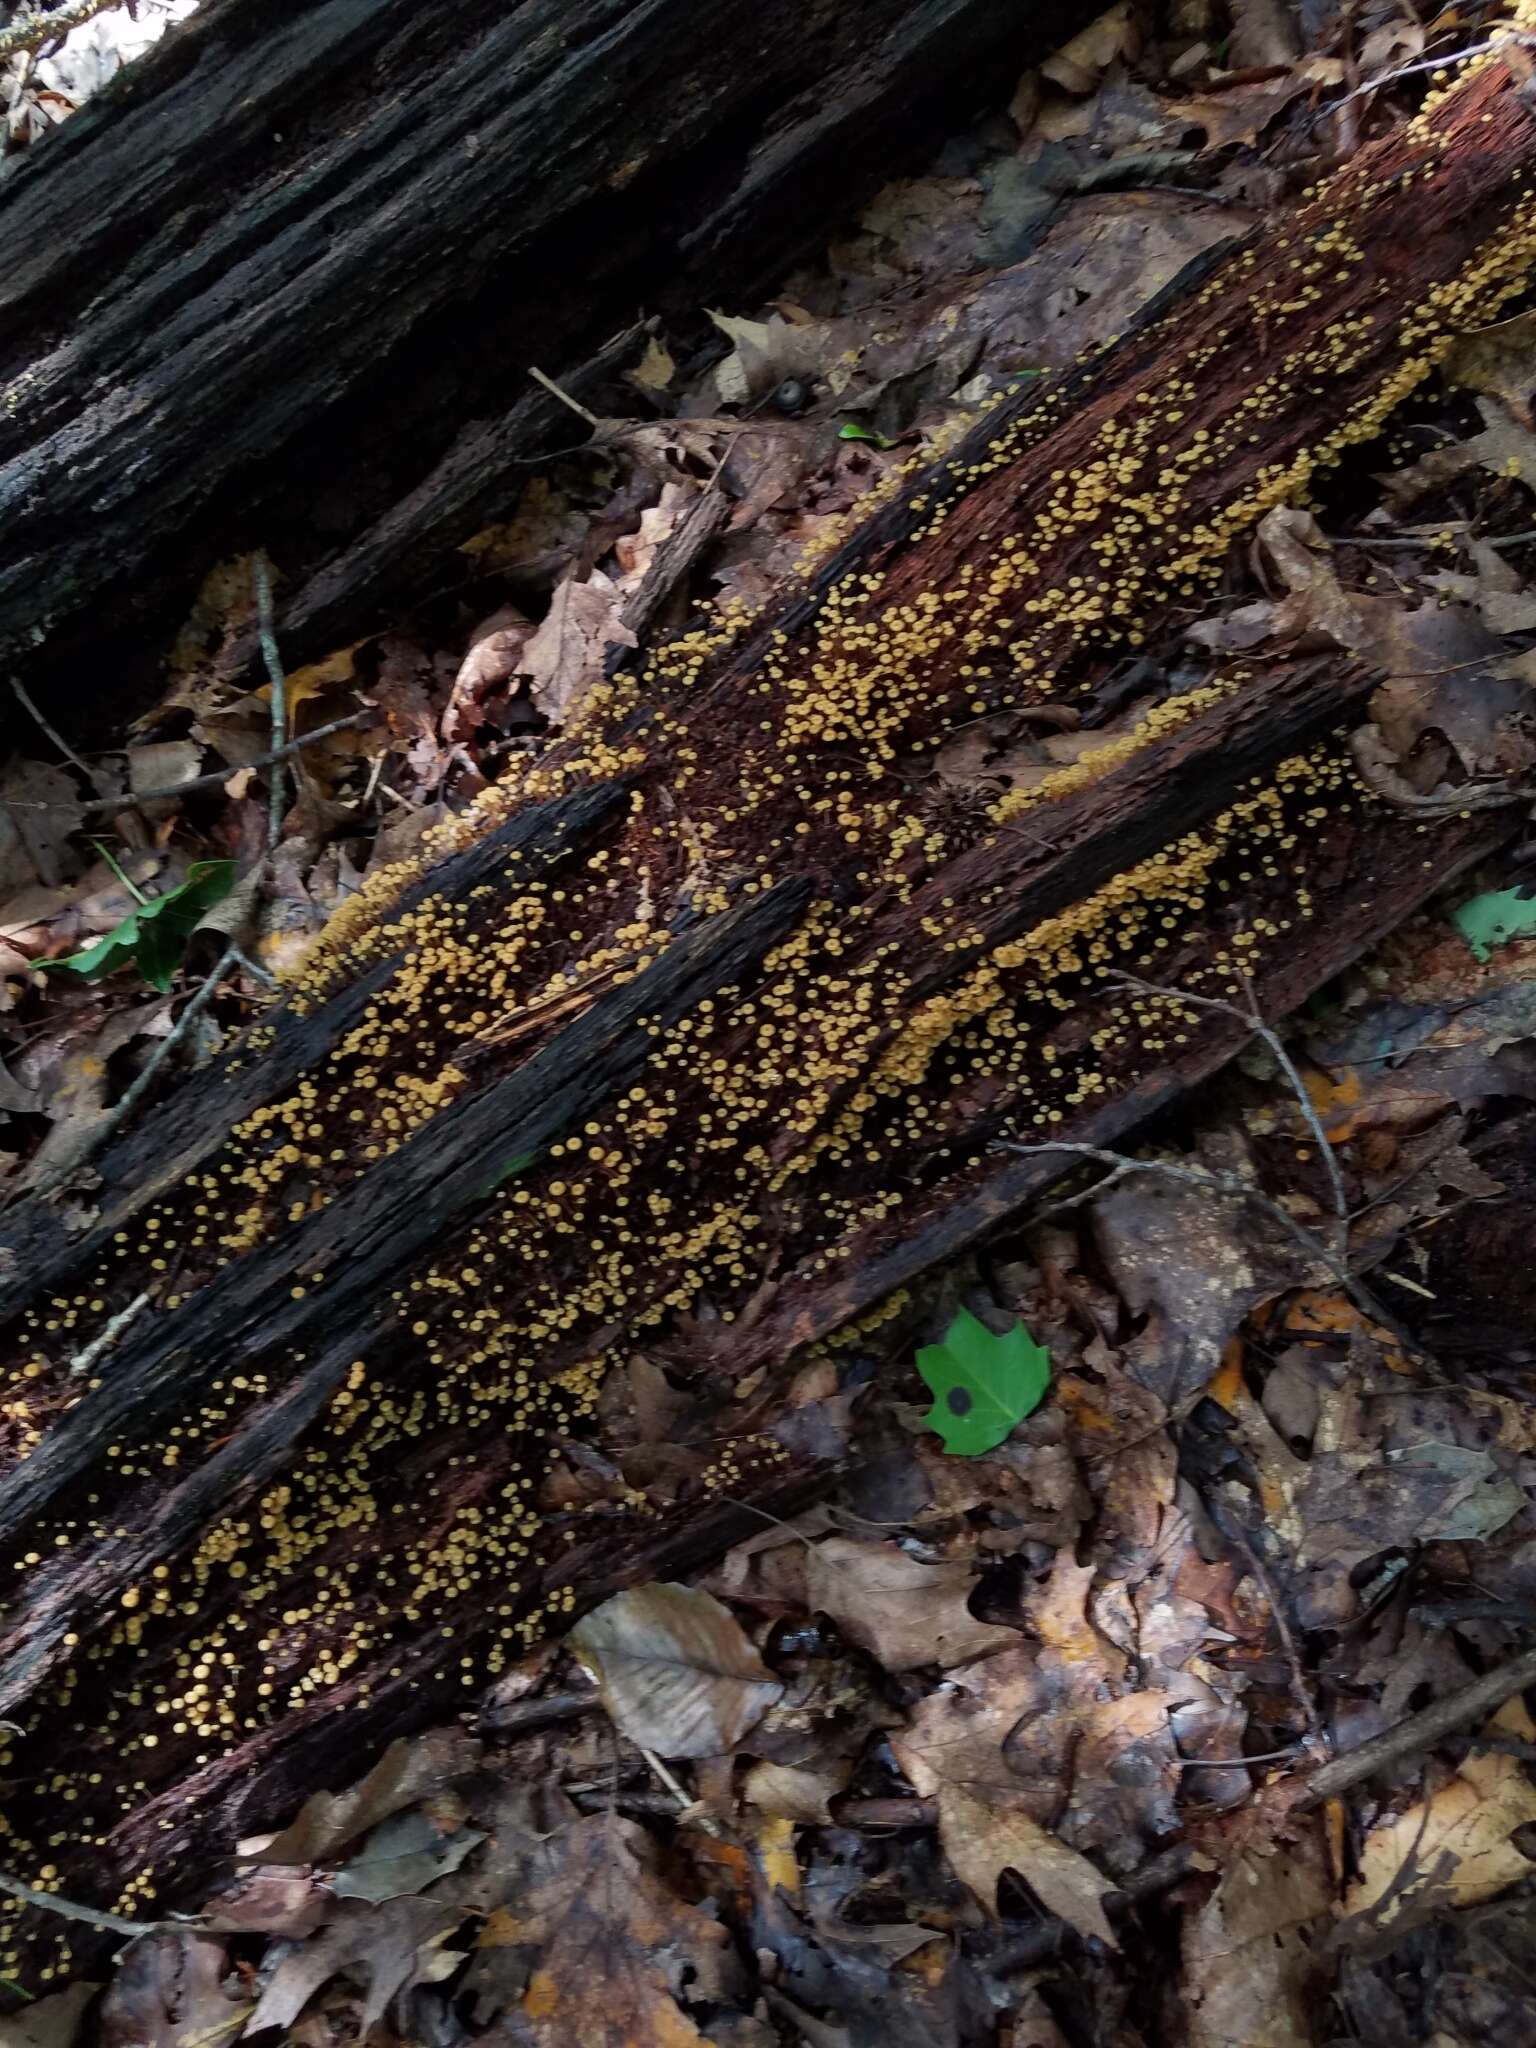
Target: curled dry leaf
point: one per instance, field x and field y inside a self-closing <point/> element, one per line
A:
<point x="675" y="1670"/>
<point x="390" y="1947"/>
<point x="563" y="659"/>
<point x="407" y="1772"/>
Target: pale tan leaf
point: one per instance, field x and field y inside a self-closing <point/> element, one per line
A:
<point x="1457" y="1851"/>
<point x="563" y="659"/>
<point x="675" y="1669"/>
<point x="903" y="1611"/>
<point x="1248" y="1951"/>
<point x="982" y="1842"/>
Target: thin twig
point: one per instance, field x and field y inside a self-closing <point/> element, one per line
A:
<point x="52" y="732"/>
<point x="162" y="1052"/>
<point x="564" y="397"/>
<point x="109" y="1334"/>
<point x="217" y="777"/>
<point x="1422" y="1730"/>
<point x="120" y="1111"/>
<point x="1255" y="1022"/>
<point x="1230" y="1526"/>
<point x="267" y="631"/>
<point x="1219" y="1184"/>
<point x="112" y="1923"/>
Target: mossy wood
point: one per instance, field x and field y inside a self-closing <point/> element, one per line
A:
<point x="288" y="276"/>
<point x="759" y="1010"/>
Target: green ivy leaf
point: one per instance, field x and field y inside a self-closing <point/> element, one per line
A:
<point x="519" y="1163"/>
<point x="154" y="934"/>
<point x="982" y="1385"/>
<point x="1494" y="918"/>
<point x="850" y="430"/>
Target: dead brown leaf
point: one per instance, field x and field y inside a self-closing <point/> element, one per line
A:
<point x="563" y="658"/>
<point x="904" y="1612"/>
<point x="596" y="1949"/>
<point x="406" y="1773"/>
<point x="168" y="1992"/>
<point x="1457" y="1848"/>
<point x="388" y="1948"/>
<point x="675" y="1670"/>
<point x="1250" y="1952"/>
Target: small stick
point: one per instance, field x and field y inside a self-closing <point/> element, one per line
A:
<point x="278" y="679"/>
<point x="113" y="1923"/>
<point x="52" y="732"/>
<point x="218" y="776"/>
<point x="1283" y="1060"/>
<point x="109" y="1334"/>
<point x="120" y="1111"/>
<point x="564" y="397"/>
<point x="1422" y="1730"/>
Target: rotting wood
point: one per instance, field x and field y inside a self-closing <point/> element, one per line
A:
<point x="845" y="1000"/>
<point x="289" y="274"/>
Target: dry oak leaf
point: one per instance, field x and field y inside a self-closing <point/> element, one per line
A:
<point x="675" y="1670"/>
<point x="904" y="1612"/>
<point x="982" y="1841"/>
<point x="609" y="1947"/>
<point x="1249" y="1964"/>
<point x="564" y="658"/>
<point x="1460" y="1850"/>
<point x="390" y="1947"/>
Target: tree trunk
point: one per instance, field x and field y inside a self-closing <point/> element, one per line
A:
<point x="698" y="1038"/>
<point x="284" y="284"/>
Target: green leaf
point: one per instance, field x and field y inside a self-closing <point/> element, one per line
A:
<point x="1494" y="918"/>
<point x="154" y="935"/>
<point x="850" y="430"/>
<point x="982" y="1385"/>
<point x="514" y="1166"/>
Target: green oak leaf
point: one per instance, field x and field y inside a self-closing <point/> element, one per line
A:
<point x="154" y="934"/>
<point x="1494" y="918"/>
<point x="982" y="1385"/>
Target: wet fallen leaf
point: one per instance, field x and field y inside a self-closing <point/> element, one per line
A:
<point x="388" y="1948"/>
<point x="597" y="1950"/>
<point x="406" y="1773"/>
<point x="675" y="1670"/>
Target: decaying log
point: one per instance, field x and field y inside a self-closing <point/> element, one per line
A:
<point x="288" y="275"/>
<point x="699" y="1036"/>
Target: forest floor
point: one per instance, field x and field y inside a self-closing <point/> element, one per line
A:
<point x="1015" y="1744"/>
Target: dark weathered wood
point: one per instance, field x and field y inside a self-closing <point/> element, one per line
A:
<point x="759" y="1030"/>
<point x="283" y="283"/>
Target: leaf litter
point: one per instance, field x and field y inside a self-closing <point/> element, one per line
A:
<point x="1010" y="1739"/>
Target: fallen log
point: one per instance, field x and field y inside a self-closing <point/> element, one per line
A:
<point x="310" y="251"/>
<point x="698" y="1035"/>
